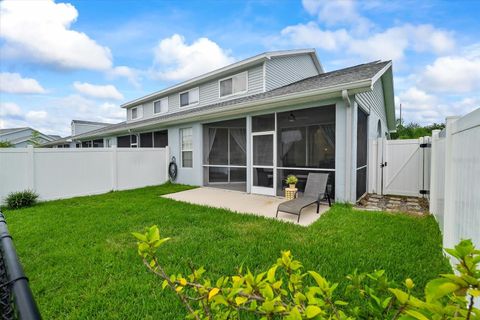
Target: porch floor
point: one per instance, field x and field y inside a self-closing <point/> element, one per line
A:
<point x="242" y="202"/>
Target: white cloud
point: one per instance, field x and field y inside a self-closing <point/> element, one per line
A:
<point x="338" y="12"/>
<point x="61" y="110"/>
<point x="41" y="31"/>
<point x="425" y="108"/>
<point x="9" y="109"/>
<point x="13" y="116"/>
<point x="14" y="83"/>
<point x="132" y="75"/>
<point x="452" y="74"/>
<point x="36" y="116"/>
<point x="108" y="92"/>
<point x="78" y="107"/>
<point x="112" y="112"/>
<point x="312" y="35"/>
<point x="177" y="60"/>
<point x="391" y="44"/>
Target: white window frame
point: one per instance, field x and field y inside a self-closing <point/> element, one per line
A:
<point x="189" y="104"/>
<point x="131" y="113"/>
<point x="162" y="99"/>
<point x="233" y="93"/>
<point x="184" y="150"/>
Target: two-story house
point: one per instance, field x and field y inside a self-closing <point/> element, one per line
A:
<point x="248" y="125"/>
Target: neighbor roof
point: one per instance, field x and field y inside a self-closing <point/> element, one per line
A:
<point x="90" y="122"/>
<point x="228" y="69"/>
<point x="360" y="78"/>
<point x="11" y="130"/>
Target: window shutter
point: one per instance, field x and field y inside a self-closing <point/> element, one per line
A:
<point x="193" y="96"/>
<point x="164" y="105"/>
<point x="240" y="82"/>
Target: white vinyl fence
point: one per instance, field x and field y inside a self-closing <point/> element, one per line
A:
<point x="455" y="179"/>
<point x="65" y="173"/>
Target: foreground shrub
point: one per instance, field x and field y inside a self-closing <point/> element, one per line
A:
<point x="21" y="199"/>
<point x="285" y="291"/>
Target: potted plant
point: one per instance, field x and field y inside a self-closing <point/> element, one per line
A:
<point x="291" y="180"/>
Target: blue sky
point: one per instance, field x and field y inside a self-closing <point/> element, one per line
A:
<point x="81" y="59"/>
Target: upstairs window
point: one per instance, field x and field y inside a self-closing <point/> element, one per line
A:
<point x="134" y="113"/>
<point x="160" y="106"/>
<point x="236" y="84"/>
<point x="189" y="98"/>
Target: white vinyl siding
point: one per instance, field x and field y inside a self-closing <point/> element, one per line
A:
<point x="209" y="92"/>
<point x="186" y="147"/>
<point x="189" y="98"/>
<point x="280" y="71"/>
<point x="374" y="102"/>
<point x="160" y="106"/>
<point x="233" y="85"/>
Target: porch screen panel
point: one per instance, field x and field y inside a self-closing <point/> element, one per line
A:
<point x="98" y="143"/>
<point x="306" y="143"/>
<point x="160" y="139"/>
<point x="224" y="155"/>
<point x="123" y="142"/>
<point x="362" y="142"/>
<point x="306" y="138"/>
<point x="146" y="140"/>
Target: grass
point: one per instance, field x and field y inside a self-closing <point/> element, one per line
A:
<point x="82" y="261"/>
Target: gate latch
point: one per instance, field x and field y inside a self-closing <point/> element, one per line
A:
<point x="383" y="165"/>
<point x="425" y="145"/>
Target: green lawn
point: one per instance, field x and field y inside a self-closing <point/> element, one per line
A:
<point x="82" y="261"/>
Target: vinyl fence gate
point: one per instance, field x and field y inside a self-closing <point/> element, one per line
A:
<point x="403" y="166"/>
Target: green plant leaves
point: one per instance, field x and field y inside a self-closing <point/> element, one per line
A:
<point x="438" y="288"/>
<point x="280" y="291"/>
<point x="312" y="311"/>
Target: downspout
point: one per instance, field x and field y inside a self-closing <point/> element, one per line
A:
<point x="346" y="98"/>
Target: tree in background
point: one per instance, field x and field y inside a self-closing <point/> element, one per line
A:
<point x="5" y="144"/>
<point x="35" y="138"/>
<point x="414" y="130"/>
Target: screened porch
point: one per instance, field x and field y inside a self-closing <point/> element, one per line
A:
<point x="255" y="154"/>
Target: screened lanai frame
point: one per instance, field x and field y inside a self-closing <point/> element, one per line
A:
<point x="326" y="117"/>
<point x="233" y="168"/>
<point x="282" y="171"/>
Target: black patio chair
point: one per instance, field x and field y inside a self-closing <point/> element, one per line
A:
<point x="315" y="190"/>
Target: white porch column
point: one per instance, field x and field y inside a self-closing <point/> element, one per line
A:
<point x="350" y="152"/>
<point x="249" y="153"/>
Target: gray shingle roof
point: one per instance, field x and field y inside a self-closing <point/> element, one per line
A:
<point x="338" y="77"/>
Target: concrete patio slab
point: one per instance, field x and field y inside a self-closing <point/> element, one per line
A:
<point x="242" y="202"/>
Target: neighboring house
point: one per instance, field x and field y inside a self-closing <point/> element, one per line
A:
<point x="79" y="127"/>
<point x="22" y="137"/>
<point x="248" y="125"/>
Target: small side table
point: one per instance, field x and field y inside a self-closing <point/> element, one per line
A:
<point x="290" y="193"/>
